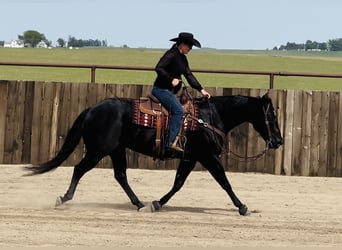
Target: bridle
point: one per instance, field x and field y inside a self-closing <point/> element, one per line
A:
<point x="263" y="152"/>
<point x="267" y="122"/>
<point x="223" y="136"/>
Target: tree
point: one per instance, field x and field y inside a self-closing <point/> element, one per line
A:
<point x="292" y="46"/>
<point x="323" y="46"/>
<point x="61" y="42"/>
<point x="31" y="38"/>
<point x="73" y="42"/>
<point x="331" y="45"/>
<point x="335" y="44"/>
<point x="311" y="45"/>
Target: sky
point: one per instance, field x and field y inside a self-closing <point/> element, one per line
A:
<point x="220" y="24"/>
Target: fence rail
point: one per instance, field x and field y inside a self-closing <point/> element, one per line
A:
<point x="93" y="69"/>
<point x="35" y="118"/>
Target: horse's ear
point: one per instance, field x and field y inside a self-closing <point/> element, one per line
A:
<point x="265" y="96"/>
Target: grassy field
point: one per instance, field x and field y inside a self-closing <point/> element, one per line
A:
<point x="275" y="61"/>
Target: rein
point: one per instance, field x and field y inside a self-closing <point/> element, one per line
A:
<point x="249" y="158"/>
<point x="237" y="156"/>
<point x="207" y="125"/>
<point x="223" y="135"/>
<point x="263" y="152"/>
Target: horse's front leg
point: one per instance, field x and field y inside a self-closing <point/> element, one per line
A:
<point x="120" y="166"/>
<point x="183" y="171"/>
<point x="214" y="166"/>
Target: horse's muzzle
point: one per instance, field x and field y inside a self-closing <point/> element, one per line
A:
<point x="275" y="143"/>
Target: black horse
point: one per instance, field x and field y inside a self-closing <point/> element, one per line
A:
<point x="107" y="128"/>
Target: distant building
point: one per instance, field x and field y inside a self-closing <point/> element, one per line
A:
<point x="21" y="44"/>
<point x="42" y="44"/>
<point x="14" y="44"/>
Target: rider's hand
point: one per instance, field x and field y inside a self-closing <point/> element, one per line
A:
<point x="175" y="82"/>
<point x="205" y="93"/>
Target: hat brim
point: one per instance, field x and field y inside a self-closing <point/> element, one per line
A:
<point x="192" y="41"/>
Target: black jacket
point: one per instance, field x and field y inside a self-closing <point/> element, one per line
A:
<point x="172" y="65"/>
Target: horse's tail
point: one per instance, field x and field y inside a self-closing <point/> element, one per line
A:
<point x="72" y="139"/>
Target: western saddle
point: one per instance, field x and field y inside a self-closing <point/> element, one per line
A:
<point x="149" y="112"/>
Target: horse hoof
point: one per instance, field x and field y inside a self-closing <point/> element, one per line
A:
<point x="58" y="201"/>
<point x="155" y="206"/>
<point x="144" y="210"/>
<point x="243" y="210"/>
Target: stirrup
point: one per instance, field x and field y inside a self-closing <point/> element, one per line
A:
<point x="175" y="147"/>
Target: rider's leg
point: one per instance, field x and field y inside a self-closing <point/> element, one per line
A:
<point x="172" y="104"/>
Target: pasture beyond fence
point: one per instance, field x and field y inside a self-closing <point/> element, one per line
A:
<point x="35" y="117"/>
<point x="93" y="69"/>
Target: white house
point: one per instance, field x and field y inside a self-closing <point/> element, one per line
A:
<point x="15" y="44"/>
<point x="41" y="44"/>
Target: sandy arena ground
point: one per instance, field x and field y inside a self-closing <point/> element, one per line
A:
<point x="288" y="211"/>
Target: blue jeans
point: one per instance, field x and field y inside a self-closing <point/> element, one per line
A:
<point x="172" y="104"/>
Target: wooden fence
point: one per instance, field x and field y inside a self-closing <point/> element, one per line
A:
<point x="35" y="117"/>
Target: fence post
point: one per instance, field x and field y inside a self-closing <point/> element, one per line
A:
<point x="271" y="80"/>
<point x="93" y="68"/>
<point x="288" y="131"/>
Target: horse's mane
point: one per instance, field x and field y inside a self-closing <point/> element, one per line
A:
<point x="232" y="100"/>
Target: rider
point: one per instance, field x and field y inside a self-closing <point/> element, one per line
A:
<point x="169" y="69"/>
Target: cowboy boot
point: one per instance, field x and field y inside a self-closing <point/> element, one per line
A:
<point x="175" y="147"/>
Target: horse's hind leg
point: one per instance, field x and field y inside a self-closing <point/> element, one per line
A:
<point x="120" y="166"/>
<point x="183" y="171"/>
<point x="86" y="164"/>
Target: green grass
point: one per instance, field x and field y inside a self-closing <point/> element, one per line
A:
<point x="275" y="61"/>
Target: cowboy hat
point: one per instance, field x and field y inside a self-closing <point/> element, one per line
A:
<point x="187" y="38"/>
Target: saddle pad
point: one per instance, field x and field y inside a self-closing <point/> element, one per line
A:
<point x="148" y="120"/>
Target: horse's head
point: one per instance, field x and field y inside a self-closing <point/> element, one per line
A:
<point x="266" y="123"/>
